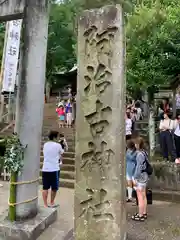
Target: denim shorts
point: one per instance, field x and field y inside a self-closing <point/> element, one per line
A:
<point x="141" y="186"/>
<point x="128" y="177"/>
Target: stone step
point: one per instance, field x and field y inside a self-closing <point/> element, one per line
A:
<point x="67" y="167"/>
<point x="67" y="183"/>
<point x="69" y="154"/>
<point x="67" y="161"/>
<point x="70" y="161"/>
<point x="71" y="148"/>
<point x="67" y="174"/>
<point x="65" y="155"/>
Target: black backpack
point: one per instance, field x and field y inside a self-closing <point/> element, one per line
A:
<point x="149" y="168"/>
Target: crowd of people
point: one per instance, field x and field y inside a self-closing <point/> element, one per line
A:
<point x="66" y="112"/>
<point x="138" y="168"/>
<point x="134" y="112"/>
<point x="170" y="137"/>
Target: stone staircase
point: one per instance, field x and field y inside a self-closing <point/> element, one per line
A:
<point x="67" y="175"/>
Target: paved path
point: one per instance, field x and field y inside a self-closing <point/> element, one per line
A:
<point x="163" y="222"/>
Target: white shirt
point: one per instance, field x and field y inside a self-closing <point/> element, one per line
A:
<point x="176" y="128"/>
<point x="166" y="124"/>
<point x="128" y="126"/>
<point x="139" y="113"/>
<point x="177" y="101"/>
<point x="52" y="153"/>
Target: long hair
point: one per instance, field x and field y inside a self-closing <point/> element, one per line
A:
<point x="141" y="144"/>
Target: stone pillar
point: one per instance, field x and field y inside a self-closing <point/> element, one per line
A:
<point x="17" y="104"/>
<point x="100" y="210"/>
<point x="31" y="100"/>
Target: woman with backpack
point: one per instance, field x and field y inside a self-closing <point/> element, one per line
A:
<point x="141" y="175"/>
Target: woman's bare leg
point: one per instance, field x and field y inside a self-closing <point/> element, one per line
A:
<point x="141" y="205"/>
<point x="145" y="202"/>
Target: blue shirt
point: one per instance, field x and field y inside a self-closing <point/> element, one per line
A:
<point x="130" y="162"/>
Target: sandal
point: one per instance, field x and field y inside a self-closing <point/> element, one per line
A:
<point x="133" y="217"/>
<point x="138" y="218"/>
<point x="145" y="215"/>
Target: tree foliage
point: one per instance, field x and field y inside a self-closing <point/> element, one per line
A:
<point x="61" y="40"/>
<point x="152" y="33"/>
<point x="153" y="50"/>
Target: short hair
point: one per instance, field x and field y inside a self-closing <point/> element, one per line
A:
<point x="131" y="144"/>
<point x="53" y="135"/>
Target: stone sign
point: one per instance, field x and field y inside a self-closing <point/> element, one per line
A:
<point x="100" y="143"/>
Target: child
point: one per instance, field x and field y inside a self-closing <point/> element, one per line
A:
<point x="130" y="167"/>
<point x="69" y="113"/>
<point x="61" y="114"/>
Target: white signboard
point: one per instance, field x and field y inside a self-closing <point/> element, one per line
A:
<point x="11" y="55"/>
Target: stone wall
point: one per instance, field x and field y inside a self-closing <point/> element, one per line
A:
<point x="166" y="177"/>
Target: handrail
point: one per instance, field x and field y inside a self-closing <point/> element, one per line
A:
<point x="7" y="127"/>
<point x="5" y="115"/>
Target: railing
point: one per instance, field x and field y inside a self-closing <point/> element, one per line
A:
<point x="8" y="109"/>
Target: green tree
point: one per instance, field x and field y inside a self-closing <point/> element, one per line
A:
<point x="153" y="51"/>
<point x="60" y="53"/>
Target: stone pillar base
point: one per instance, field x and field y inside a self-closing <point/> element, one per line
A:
<point x="27" y="230"/>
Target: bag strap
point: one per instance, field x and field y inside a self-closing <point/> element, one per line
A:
<point x="145" y="155"/>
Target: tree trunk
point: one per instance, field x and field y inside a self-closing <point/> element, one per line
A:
<point x="31" y="103"/>
<point x="174" y="103"/>
<point x="48" y="91"/>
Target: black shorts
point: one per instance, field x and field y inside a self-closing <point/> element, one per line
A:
<point x="50" y="180"/>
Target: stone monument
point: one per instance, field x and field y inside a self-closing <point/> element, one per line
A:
<point x="35" y="15"/>
<point x="100" y="210"/>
